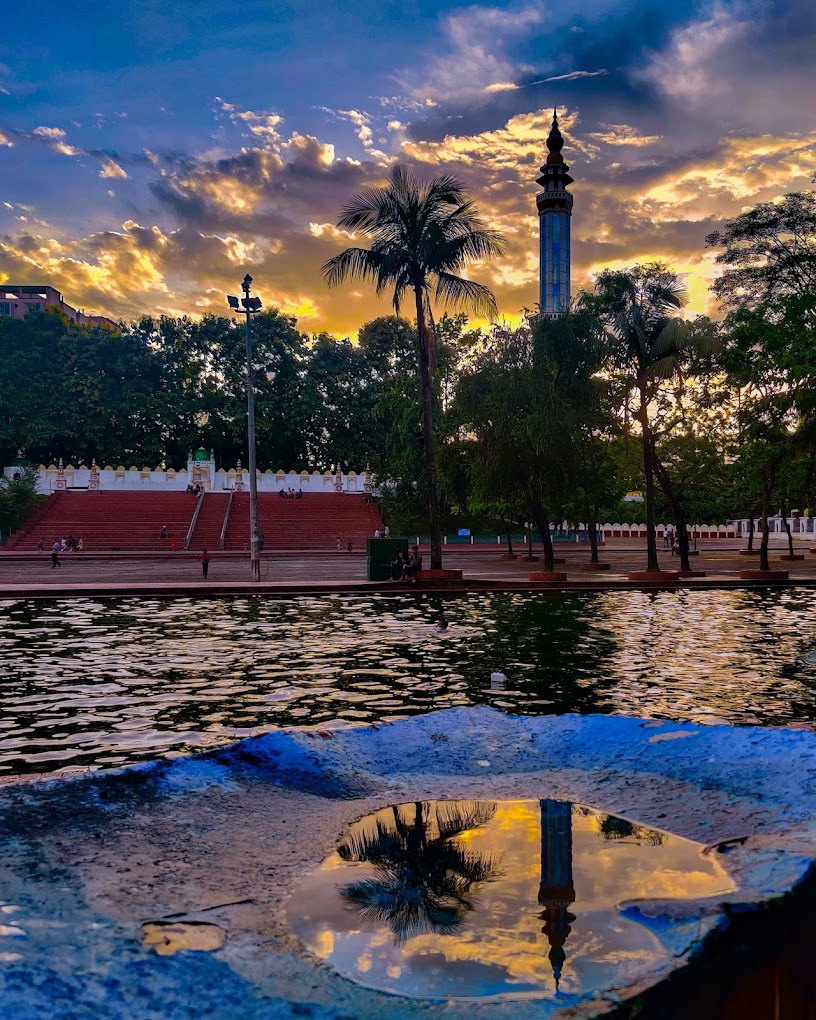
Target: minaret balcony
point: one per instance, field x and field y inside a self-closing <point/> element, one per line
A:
<point x="547" y="200"/>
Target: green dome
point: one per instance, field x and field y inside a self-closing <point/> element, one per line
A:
<point x="201" y="454"/>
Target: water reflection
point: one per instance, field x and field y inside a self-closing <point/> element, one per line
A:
<point x="555" y="891"/>
<point x="89" y="683"/>
<point x="505" y="861"/>
<point x="423" y="876"/>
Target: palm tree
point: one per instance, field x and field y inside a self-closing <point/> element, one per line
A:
<point x="424" y="876"/>
<point x="422" y="235"/>
<point x="640" y="307"/>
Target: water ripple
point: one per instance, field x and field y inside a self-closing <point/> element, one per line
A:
<point x="88" y="683"/>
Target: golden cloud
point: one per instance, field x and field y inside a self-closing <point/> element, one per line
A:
<point x="272" y="210"/>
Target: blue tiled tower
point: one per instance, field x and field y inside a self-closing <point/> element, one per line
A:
<point x="554" y="211"/>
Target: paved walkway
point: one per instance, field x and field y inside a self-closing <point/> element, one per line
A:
<point x="289" y="573"/>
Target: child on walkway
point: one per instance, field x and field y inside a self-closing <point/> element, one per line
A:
<point x="205" y="562"/>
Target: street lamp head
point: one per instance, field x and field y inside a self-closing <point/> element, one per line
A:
<point x="247" y="283"/>
<point x="254" y="304"/>
<point x="233" y="301"/>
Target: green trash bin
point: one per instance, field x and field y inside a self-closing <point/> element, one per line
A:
<point x="381" y="554"/>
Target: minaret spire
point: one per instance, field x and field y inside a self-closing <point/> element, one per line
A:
<point x="554" y="205"/>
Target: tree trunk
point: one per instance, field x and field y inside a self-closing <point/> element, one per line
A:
<point x="542" y="522"/>
<point x="750" y="534"/>
<point x="529" y="544"/>
<point x="428" y="438"/>
<point x="767" y="489"/>
<point x="592" y="528"/>
<point x="786" y="526"/>
<point x="678" y="511"/>
<point x="652" y="564"/>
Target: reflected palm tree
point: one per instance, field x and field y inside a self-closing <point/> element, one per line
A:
<point x="424" y="878"/>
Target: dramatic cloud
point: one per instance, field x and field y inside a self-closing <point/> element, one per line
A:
<point x="475" y="53"/>
<point x="674" y="120"/>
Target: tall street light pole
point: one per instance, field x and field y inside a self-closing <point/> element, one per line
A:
<point x="250" y="305"/>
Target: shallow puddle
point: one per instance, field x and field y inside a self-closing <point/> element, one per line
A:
<point x="168" y="937"/>
<point x="445" y="899"/>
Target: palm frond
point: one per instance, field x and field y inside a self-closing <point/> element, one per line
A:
<point x="458" y="292"/>
<point x="669" y="339"/>
<point x="664" y="368"/>
<point x="353" y="262"/>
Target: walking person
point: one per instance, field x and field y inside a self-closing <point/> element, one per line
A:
<point x="204" y="559"/>
<point x="55" y="551"/>
<point x="172" y="543"/>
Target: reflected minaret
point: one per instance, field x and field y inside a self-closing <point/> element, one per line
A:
<point x="556" y="892"/>
<point x="554" y="212"/>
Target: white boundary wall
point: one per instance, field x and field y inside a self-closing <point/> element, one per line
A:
<point x="59" y="477"/>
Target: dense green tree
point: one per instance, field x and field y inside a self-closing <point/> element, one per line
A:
<point x="528" y="404"/>
<point x="768" y="253"/>
<point x="421" y="238"/>
<point x="640" y="307"/>
<point x="770" y="358"/>
<point x="19" y="498"/>
<point x="768" y="287"/>
<point x="73" y="391"/>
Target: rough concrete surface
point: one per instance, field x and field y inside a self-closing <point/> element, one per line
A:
<point x="223" y="838"/>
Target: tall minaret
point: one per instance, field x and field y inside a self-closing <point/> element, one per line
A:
<point x="554" y="211"/>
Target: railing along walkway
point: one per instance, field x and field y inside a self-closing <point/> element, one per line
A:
<point x="226" y="518"/>
<point x="194" y="521"/>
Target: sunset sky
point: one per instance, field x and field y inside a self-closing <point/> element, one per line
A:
<point x="152" y="153"/>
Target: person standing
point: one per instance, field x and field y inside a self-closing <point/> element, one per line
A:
<point x="386" y="532"/>
<point x="204" y="559"/>
<point x="172" y="543"/>
<point x="414" y="563"/>
<point x="55" y="551"/>
<point x="41" y="543"/>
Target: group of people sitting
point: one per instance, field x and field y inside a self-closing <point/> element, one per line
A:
<point x="195" y="490"/>
<point x="290" y="494"/>
<point x="383" y="532"/>
<point x="406" y="568"/>
<point x="67" y="544"/>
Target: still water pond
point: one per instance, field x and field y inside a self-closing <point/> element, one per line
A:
<point x="86" y="683"/>
<point x="476" y="899"/>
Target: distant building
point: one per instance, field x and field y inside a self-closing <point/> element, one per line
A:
<point x="16" y="301"/>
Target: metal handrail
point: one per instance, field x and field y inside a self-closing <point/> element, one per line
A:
<point x="226" y="518"/>
<point x="193" y="522"/>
